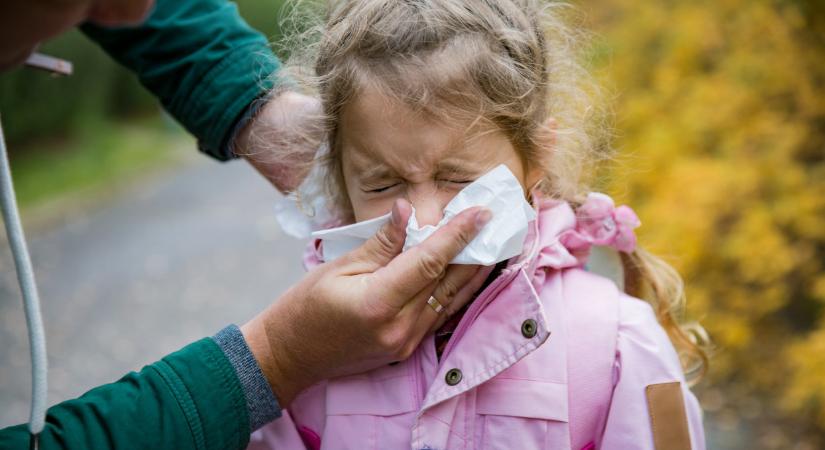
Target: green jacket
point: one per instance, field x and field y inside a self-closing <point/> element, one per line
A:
<point x="191" y="399"/>
<point x="200" y="59"/>
<point x="207" y="66"/>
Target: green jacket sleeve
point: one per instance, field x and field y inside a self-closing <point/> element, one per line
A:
<point x="191" y="399"/>
<point x="200" y="58"/>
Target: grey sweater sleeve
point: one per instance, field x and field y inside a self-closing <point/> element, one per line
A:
<point x="261" y="403"/>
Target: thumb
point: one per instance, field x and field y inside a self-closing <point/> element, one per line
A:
<point x="388" y="242"/>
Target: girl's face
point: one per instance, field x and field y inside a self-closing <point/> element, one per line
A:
<point x="388" y="152"/>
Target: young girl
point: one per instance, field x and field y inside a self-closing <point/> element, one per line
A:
<point x="422" y="97"/>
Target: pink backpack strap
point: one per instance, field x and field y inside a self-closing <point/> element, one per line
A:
<point x="592" y="310"/>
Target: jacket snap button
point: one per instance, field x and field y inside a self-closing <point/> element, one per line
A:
<point x="453" y="377"/>
<point x="529" y="328"/>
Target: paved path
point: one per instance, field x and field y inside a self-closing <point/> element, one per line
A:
<point x="171" y="260"/>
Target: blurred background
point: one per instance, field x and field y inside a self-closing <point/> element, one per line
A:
<point x="142" y="245"/>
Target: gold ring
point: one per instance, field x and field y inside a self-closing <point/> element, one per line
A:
<point x="435" y="304"/>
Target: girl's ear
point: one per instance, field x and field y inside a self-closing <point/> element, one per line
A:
<point x="547" y="143"/>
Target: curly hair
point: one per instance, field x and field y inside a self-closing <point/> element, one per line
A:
<point x="510" y="63"/>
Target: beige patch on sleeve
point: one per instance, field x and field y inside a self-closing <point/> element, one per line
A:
<point x="666" y="406"/>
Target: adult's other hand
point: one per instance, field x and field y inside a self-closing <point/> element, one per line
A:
<point x="26" y="23"/>
<point x="367" y="308"/>
<point x="281" y="140"/>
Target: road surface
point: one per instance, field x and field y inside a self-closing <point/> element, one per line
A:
<point x="173" y="259"/>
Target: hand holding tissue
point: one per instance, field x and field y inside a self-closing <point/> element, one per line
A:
<point x="499" y="240"/>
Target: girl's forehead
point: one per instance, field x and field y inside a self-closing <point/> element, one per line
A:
<point x="375" y="125"/>
<point x="376" y="128"/>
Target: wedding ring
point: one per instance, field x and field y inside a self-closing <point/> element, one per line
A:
<point x="435" y="304"/>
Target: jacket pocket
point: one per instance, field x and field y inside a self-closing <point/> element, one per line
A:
<point x="368" y="412"/>
<point x="523" y="414"/>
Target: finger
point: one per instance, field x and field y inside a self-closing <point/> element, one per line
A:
<point x="469" y="287"/>
<point x="387" y="243"/>
<point x="412" y="316"/>
<point x="452" y="298"/>
<point x="445" y="291"/>
<point x="119" y="12"/>
<point x="453" y="291"/>
<point x="414" y="269"/>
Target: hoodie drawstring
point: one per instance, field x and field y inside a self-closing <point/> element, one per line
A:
<point x="31" y="300"/>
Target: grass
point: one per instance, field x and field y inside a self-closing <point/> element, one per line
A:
<point x="96" y="159"/>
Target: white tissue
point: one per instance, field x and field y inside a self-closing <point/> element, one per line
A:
<point x="499" y="240"/>
<point x="305" y="210"/>
<point x="298" y="220"/>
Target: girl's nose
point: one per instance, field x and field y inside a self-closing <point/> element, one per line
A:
<point x="428" y="207"/>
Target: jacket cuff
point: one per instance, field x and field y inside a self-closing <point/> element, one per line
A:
<point x="261" y="403"/>
<point x="209" y="394"/>
<point x="248" y="114"/>
<point x="220" y="86"/>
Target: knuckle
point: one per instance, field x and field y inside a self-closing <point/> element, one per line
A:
<point x="406" y="351"/>
<point x="449" y="311"/>
<point x="391" y="342"/>
<point x="373" y="317"/>
<point x="384" y="242"/>
<point x="464" y="235"/>
<point x="448" y="289"/>
<point x="455" y="305"/>
<point x="375" y="314"/>
<point x="430" y="265"/>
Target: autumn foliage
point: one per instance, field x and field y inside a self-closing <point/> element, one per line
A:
<point x="720" y="130"/>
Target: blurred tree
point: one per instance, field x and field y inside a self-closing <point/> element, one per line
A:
<point x="721" y="117"/>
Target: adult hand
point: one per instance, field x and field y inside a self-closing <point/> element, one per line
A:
<point x="282" y="139"/>
<point x="26" y="23"/>
<point x="367" y="308"/>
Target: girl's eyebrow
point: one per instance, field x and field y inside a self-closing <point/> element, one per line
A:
<point x="456" y="168"/>
<point x="376" y="172"/>
<point x="381" y="172"/>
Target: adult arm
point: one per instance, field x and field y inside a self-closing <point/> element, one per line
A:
<point x="191" y="399"/>
<point x="201" y="60"/>
<point x="363" y="310"/>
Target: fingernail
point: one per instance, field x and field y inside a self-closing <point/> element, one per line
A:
<point x="482" y="217"/>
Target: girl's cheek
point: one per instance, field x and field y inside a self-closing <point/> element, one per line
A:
<point x="370" y="208"/>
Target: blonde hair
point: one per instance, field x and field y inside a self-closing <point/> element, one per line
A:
<point x="509" y="63"/>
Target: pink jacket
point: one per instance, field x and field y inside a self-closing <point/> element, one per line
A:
<point x="501" y="384"/>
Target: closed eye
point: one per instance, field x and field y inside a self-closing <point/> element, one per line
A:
<point x="459" y="181"/>
<point x="381" y="189"/>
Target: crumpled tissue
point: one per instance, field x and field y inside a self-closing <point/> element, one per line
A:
<point x="305" y="210"/>
<point x="499" y="240"/>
